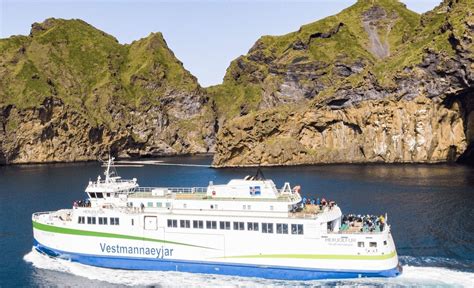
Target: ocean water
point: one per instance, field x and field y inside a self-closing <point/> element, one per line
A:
<point x="430" y="208"/>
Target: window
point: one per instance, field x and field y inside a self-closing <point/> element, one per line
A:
<point x="133" y="222"/>
<point x="185" y="205"/>
<point x="198" y="224"/>
<point x="372" y="244"/>
<point x="159" y="204"/>
<point x="252" y="226"/>
<point x="114" y="221"/>
<point x="168" y="204"/>
<point x="172" y="223"/>
<point x="108" y="194"/>
<point x="211" y="224"/>
<point x="282" y="228"/>
<point x="385" y="242"/>
<point x="102" y="220"/>
<point x="90" y="220"/>
<point x="297" y="229"/>
<point x="81" y="220"/>
<point x="100" y="195"/>
<point x="184" y="223"/>
<point x="149" y="204"/>
<point x="239" y="225"/>
<point x="92" y="195"/>
<point x="271" y="207"/>
<point x="267" y="227"/>
<point x="360" y="244"/>
<point x="249" y="207"/>
<point x="224" y="225"/>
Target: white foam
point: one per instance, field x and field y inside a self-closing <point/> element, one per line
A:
<point x="412" y="276"/>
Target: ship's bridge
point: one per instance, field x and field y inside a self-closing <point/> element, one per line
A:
<point x="245" y="188"/>
<point x="111" y="184"/>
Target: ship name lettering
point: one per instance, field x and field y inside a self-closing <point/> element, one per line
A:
<point x="160" y="252"/>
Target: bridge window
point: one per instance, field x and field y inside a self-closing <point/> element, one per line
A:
<point x="81" y="220"/>
<point x="282" y="228"/>
<point x="198" y="224"/>
<point x="252" y="226"/>
<point x="172" y="223"/>
<point x="114" y="221"/>
<point x="239" y="225"/>
<point x="211" y="224"/>
<point x="224" y="225"/>
<point x="100" y="195"/>
<point x="267" y="227"/>
<point x="184" y="223"/>
<point x="372" y="244"/>
<point x="90" y="220"/>
<point x="102" y="220"/>
<point x="297" y="229"/>
<point x="360" y="244"/>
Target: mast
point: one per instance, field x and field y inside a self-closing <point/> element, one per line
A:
<point x="107" y="170"/>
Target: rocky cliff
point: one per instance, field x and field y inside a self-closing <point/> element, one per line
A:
<point x="70" y="92"/>
<point x="375" y="83"/>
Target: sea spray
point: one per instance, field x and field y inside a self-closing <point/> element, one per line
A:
<point x="412" y="276"/>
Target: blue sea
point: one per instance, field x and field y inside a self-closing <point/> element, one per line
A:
<point x="430" y="208"/>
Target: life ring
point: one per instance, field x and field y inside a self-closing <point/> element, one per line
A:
<point x="213" y="193"/>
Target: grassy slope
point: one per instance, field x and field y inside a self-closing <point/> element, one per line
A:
<point x="348" y="45"/>
<point x="87" y="69"/>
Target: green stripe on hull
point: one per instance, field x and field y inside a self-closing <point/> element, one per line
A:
<point x="320" y="256"/>
<point x="62" y="230"/>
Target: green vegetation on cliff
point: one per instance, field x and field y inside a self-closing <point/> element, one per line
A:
<point x="88" y="69"/>
<point x="316" y="57"/>
<point x="70" y="92"/>
<point x="374" y="83"/>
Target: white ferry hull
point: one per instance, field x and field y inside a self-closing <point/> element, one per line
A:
<point x="108" y="251"/>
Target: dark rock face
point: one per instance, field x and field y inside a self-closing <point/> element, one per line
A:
<point x="81" y="100"/>
<point x="411" y="103"/>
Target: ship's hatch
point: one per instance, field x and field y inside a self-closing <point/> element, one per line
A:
<point x="151" y="223"/>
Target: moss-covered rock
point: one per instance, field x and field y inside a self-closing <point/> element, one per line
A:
<point x="71" y="92"/>
<point x="388" y="86"/>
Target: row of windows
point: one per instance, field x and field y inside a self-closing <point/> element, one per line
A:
<point x="281" y="228"/>
<point x="101" y="220"/>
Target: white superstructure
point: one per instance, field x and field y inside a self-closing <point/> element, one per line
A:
<point x="246" y="227"/>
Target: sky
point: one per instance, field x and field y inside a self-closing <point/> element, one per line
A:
<point x="205" y="35"/>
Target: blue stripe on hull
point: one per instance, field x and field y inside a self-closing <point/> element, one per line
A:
<point x="234" y="269"/>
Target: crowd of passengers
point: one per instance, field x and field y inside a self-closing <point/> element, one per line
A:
<point x="81" y="203"/>
<point x="368" y="223"/>
<point x="321" y="203"/>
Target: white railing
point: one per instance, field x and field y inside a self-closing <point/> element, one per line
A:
<point x="179" y="190"/>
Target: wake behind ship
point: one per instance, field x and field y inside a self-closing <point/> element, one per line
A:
<point x="246" y="227"/>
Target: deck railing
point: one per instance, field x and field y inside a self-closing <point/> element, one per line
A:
<point x="180" y="190"/>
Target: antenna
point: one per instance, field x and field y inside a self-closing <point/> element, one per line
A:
<point x="259" y="175"/>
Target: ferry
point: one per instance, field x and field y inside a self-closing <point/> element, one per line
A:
<point x="247" y="227"/>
